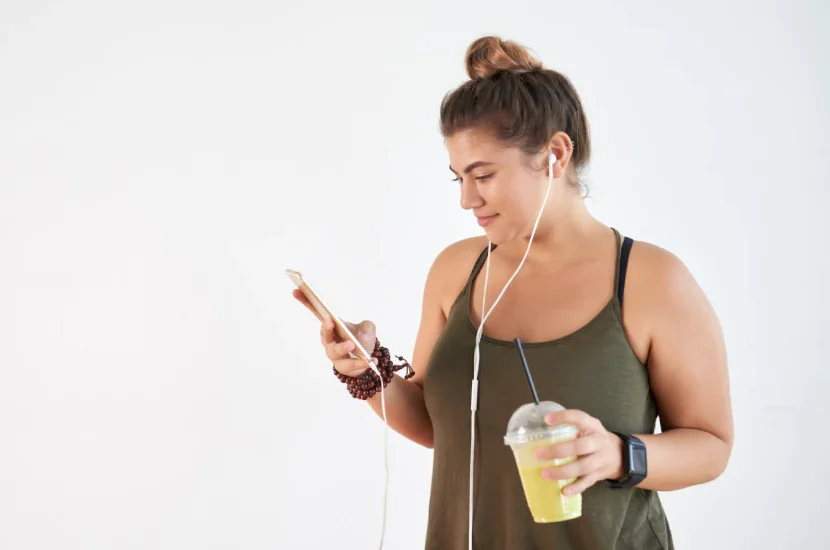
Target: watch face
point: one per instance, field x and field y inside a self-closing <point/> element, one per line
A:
<point x="638" y="461"/>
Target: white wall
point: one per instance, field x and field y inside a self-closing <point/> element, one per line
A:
<point x="162" y="163"/>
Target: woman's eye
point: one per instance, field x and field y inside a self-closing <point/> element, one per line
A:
<point x="478" y="178"/>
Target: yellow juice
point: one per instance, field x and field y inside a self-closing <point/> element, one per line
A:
<point x="544" y="496"/>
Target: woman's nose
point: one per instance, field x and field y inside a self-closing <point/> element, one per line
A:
<point x="470" y="197"/>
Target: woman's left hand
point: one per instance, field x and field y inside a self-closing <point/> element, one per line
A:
<point x="598" y="452"/>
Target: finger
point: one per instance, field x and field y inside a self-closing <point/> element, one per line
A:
<point x="580" y="446"/>
<point x="327" y="332"/>
<point x="582" y="420"/>
<point x="582" y="467"/>
<point x="351" y="367"/>
<point x="300" y="297"/>
<point x="365" y="332"/>
<point x="339" y="350"/>
<point x="580" y="485"/>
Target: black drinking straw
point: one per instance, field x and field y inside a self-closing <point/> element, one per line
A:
<point x="527" y="370"/>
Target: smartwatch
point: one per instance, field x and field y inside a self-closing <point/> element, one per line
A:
<point x="635" y="464"/>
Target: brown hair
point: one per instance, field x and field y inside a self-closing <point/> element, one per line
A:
<point x="515" y="97"/>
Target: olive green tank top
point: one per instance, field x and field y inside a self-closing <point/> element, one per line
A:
<point x="593" y="369"/>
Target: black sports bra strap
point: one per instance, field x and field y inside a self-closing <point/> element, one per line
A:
<point x="622" y="268"/>
<point x="624" y="253"/>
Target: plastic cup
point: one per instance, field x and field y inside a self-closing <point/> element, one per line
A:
<point x="526" y="433"/>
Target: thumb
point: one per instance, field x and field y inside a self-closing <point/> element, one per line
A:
<point x="366" y="333"/>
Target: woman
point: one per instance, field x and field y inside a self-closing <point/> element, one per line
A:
<point x="615" y="331"/>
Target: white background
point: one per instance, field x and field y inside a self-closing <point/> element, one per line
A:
<point x="162" y="163"/>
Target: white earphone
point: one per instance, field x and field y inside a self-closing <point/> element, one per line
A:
<point x="480" y="332"/>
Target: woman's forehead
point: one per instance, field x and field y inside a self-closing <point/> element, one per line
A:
<point x="475" y="144"/>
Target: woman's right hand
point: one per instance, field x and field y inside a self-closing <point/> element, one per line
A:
<point x="337" y="351"/>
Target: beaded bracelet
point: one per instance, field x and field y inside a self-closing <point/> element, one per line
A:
<point x="368" y="384"/>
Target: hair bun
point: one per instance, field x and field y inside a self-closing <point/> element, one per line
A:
<point x="490" y="54"/>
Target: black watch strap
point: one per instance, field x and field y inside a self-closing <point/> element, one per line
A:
<point x="635" y="463"/>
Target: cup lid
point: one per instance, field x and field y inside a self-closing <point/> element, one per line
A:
<point x="528" y="424"/>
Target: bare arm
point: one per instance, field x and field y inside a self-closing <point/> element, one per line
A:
<point x="407" y="413"/>
<point x="689" y="377"/>
<point x="674" y="326"/>
<point x="405" y="408"/>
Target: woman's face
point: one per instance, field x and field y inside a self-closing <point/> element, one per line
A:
<point x="500" y="185"/>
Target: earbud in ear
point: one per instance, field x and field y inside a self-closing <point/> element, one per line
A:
<point x="552" y="158"/>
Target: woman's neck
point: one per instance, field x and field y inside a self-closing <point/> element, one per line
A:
<point x="563" y="231"/>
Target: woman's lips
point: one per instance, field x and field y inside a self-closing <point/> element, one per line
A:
<point x="483" y="221"/>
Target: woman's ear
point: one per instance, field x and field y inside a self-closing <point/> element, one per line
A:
<point x="562" y="147"/>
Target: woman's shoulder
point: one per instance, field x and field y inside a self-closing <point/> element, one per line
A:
<point x="456" y="261"/>
<point x="660" y="288"/>
<point x="660" y="292"/>
<point x="460" y="253"/>
<point x="656" y="270"/>
<point x="452" y="268"/>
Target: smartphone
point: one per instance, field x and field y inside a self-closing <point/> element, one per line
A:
<point x="325" y="312"/>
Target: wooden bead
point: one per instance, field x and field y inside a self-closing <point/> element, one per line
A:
<point x="369" y="383"/>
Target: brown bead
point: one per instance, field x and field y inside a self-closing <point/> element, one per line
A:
<point x="370" y="382"/>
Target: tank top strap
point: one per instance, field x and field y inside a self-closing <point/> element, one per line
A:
<point x="482" y="258"/>
<point x="617" y="261"/>
<point x="623" y="251"/>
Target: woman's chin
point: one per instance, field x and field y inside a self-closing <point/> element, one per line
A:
<point x="497" y="237"/>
